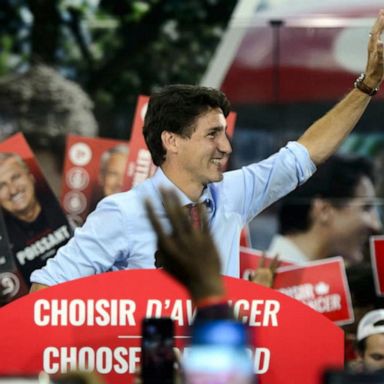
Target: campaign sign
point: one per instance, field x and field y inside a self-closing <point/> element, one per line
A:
<point x="93" y="323"/>
<point x="231" y="123"/>
<point x="322" y="285"/>
<point x="250" y="259"/>
<point x="33" y="225"/>
<point x="140" y="165"/>
<point x="12" y="284"/>
<point x="245" y="237"/>
<point x="93" y="168"/>
<point x="377" y="259"/>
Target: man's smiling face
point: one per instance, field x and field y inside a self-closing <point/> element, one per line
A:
<point x="17" y="192"/>
<point x="204" y="154"/>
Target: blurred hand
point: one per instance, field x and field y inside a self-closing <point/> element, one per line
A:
<point x="187" y="254"/>
<point x="264" y="275"/>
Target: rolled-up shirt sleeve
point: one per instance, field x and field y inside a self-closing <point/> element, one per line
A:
<point x="254" y="187"/>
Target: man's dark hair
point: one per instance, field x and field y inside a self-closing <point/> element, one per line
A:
<point x="175" y="109"/>
<point x="336" y="180"/>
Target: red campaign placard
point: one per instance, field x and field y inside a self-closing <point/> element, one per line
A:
<point x="231" y="123"/>
<point x="140" y="165"/>
<point x="377" y="260"/>
<point x="32" y="224"/>
<point x="321" y="285"/>
<point x="245" y="237"/>
<point x="77" y="322"/>
<point x="93" y="168"/>
<point x="250" y="260"/>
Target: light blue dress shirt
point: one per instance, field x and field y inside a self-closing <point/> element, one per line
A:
<point x="118" y="234"/>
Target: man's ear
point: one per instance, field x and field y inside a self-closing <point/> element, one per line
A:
<point x="322" y="210"/>
<point x="169" y="140"/>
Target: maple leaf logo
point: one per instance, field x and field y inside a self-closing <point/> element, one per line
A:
<point x="322" y="288"/>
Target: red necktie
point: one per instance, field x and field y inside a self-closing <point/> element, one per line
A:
<point x="194" y="214"/>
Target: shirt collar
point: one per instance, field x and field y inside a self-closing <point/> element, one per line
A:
<point x="160" y="180"/>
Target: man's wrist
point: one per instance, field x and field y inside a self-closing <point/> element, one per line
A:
<point x="211" y="300"/>
<point x="363" y="87"/>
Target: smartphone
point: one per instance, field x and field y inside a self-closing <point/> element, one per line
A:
<point x="158" y="357"/>
<point x="218" y="354"/>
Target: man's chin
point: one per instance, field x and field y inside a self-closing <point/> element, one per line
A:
<point x="218" y="177"/>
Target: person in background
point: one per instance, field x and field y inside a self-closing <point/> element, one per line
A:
<point x="185" y="131"/>
<point x="370" y="340"/>
<point x="333" y="214"/>
<point x="364" y="299"/>
<point x="113" y="163"/>
<point x="112" y="167"/>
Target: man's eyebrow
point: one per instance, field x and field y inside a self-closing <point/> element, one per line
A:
<point x="218" y="128"/>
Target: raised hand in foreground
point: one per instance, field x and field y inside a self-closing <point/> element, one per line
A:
<point x="188" y="254"/>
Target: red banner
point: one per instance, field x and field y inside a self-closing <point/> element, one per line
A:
<point x="93" y="169"/>
<point x="94" y="323"/>
<point x="322" y="285"/>
<point x="377" y="259"/>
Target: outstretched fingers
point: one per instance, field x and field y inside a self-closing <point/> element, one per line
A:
<point x="154" y="220"/>
<point x="263" y="260"/>
<point x="275" y="263"/>
<point x="378" y="26"/>
<point x="374" y="70"/>
<point x="165" y="243"/>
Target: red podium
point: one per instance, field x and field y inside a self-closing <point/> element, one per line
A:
<point x="94" y="323"/>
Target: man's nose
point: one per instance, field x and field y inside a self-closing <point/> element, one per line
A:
<point x="12" y="188"/>
<point x="225" y="145"/>
<point x="375" y="222"/>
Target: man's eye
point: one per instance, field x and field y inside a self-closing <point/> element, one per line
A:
<point x="377" y="357"/>
<point x="368" y="207"/>
<point x="16" y="176"/>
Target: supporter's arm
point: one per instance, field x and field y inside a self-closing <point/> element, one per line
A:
<point x="190" y="256"/>
<point x="324" y="136"/>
